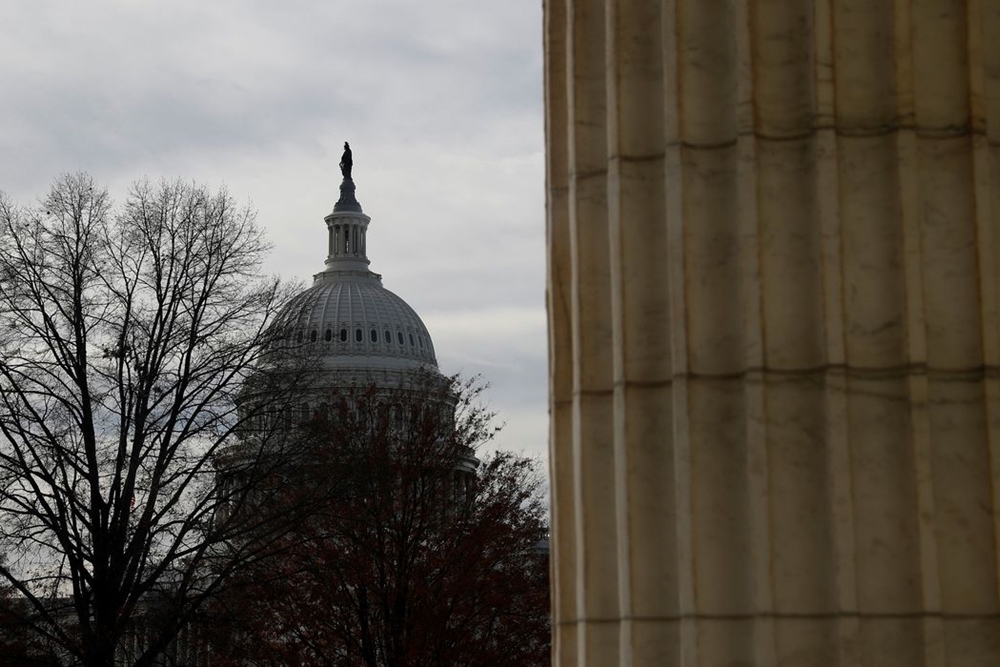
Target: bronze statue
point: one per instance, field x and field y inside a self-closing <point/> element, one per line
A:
<point x="346" y="162"/>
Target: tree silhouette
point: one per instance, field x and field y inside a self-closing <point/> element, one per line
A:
<point x="128" y="335"/>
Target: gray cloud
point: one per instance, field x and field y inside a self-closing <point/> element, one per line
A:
<point x="441" y="101"/>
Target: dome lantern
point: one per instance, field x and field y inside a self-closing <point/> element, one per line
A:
<point x="347" y="225"/>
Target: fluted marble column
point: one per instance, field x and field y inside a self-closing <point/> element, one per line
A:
<point x="774" y="255"/>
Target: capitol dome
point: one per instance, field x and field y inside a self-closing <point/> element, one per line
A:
<point x="359" y="323"/>
<point x="355" y="323"/>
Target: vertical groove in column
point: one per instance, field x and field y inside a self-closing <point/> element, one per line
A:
<point x="708" y="134"/>
<point x="828" y="186"/>
<point x="907" y="151"/>
<point x="786" y="179"/>
<point x="909" y="184"/>
<point x="941" y="66"/>
<point x="677" y="276"/>
<point x="931" y="629"/>
<point x="720" y="534"/>
<point x="960" y="463"/>
<point x="949" y="259"/>
<point x="595" y="519"/>
<point x="947" y="215"/>
<point x="785" y="94"/>
<point x="759" y="497"/>
<point x="642" y="333"/>
<point x="869" y="202"/>
<point x="561" y="458"/>
<point x="982" y="180"/>
<point x="830" y="104"/>
<point x="930" y="581"/>
<point x="988" y="198"/>
<point x="983" y="60"/>
<point x="783" y="68"/>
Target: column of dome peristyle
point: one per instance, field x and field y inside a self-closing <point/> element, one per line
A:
<point x="347" y="226"/>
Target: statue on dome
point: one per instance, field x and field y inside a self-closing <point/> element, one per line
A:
<point x="346" y="162"/>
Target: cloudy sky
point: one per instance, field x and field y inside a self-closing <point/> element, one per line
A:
<point x="440" y="99"/>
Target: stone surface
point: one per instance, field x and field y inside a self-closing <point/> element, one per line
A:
<point x="774" y="245"/>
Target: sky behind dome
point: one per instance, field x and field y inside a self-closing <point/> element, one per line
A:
<point x="441" y="101"/>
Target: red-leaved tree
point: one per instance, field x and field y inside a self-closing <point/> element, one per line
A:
<point x="421" y="558"/>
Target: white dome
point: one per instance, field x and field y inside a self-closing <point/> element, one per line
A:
<point x="357" y="323"/>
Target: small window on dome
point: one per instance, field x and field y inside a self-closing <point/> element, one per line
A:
<point x="343" y="335"/>
<point x="358" y="336"/>
<point x="374" y="336"/>
<point x="298" y="338"/>
<point x="411" y="341"/>
<point x="421" y="338"/>
<point x="399" y="337"/>
<point x="329" y="335"/>
<point x="388" y="336"/>
<point x="312" y="336"/>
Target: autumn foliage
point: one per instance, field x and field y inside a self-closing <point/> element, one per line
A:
<point x="420" y="558"/>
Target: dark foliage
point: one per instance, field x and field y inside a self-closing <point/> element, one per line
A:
<point x="417" y="560"/>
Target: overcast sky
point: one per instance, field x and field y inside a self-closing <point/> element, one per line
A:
<point x="440" y="99"/>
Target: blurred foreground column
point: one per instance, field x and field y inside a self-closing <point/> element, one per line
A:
<point x="774" y="246"/>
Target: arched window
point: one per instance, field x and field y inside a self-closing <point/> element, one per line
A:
<point x="343" y="335"/>
<point x="388" y="336"/>
<point x="329" y="335"/>
<point x="374" y="336"/>
<point x="312" y="336"/>
<point x="399" y="337"/>
<point x="358" y="336"/>
<point x="411" y="341"/>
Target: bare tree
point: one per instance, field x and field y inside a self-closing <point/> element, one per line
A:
<point x="129" y="336"/>
<point x="422" y="558"/>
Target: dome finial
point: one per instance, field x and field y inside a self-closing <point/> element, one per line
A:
<point x="347" y="201"/>
<point x="346" y="162"/>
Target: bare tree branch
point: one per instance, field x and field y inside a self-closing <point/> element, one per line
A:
<point x="128" y="338"/>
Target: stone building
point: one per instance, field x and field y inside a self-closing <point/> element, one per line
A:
<point x="774" y="244"/>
